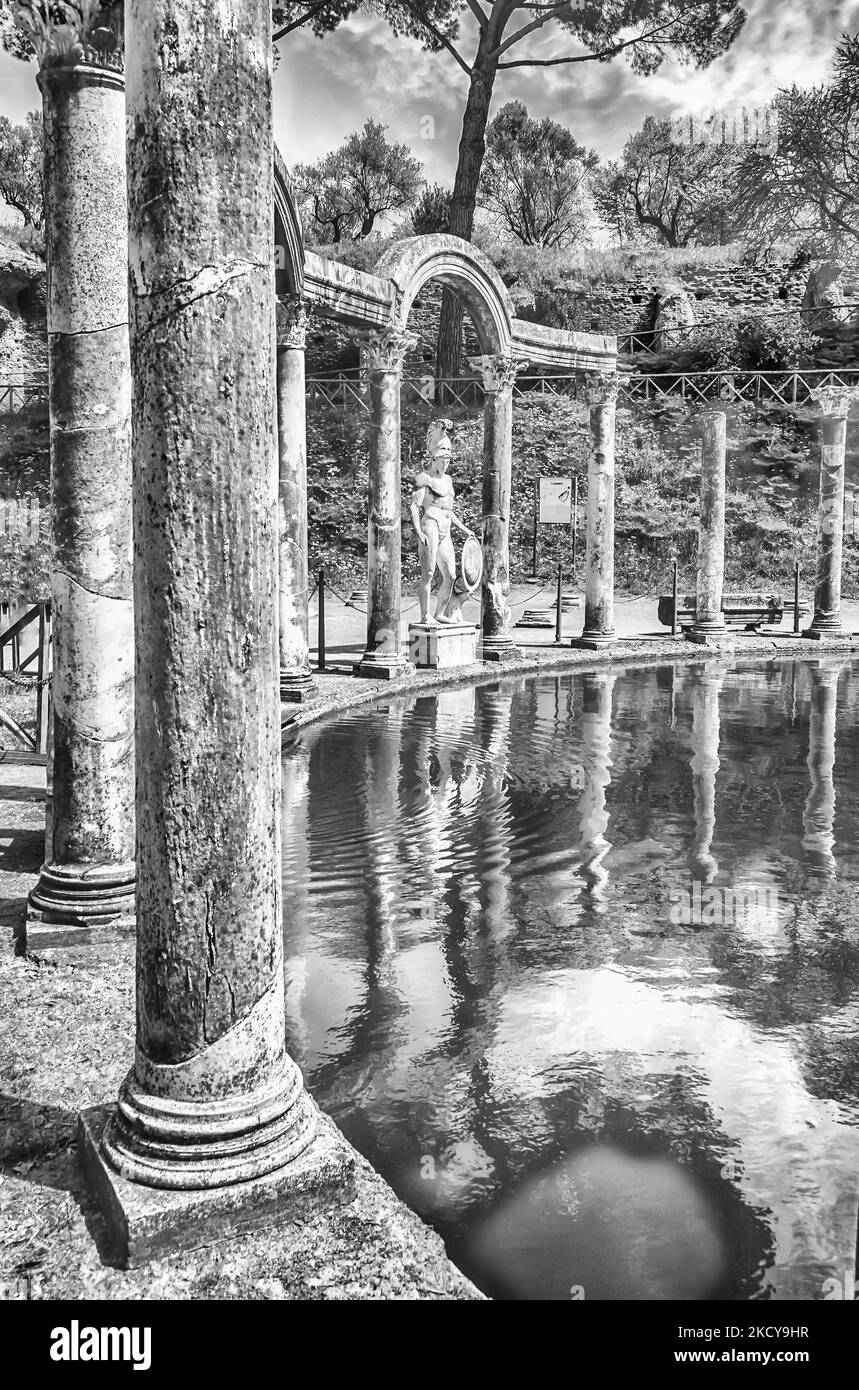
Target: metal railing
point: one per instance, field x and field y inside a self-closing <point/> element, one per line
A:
<point x="23" y="393"/>
<point x="789" y="387"/>
<point x="32" y="674"/>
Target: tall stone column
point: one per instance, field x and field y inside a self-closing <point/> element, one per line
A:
<point x="296" y="680"/>
<point x="382" y="359"/>
<point x="709" y="619"/>
<point x="213" y="1124"/>
<point x="834" y="402"/>
<point x="86" y="887"/>
<point x="599" y="564"/>
<point x="499" y="374"/>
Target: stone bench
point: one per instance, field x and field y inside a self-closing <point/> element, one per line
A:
<point x="740" y="610"/>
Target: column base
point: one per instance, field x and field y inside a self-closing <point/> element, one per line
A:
<point x="145" y="1222"/>
<point x="499" y="649"/>
<point x="710" y="634"/>
<point x="296" y="686"/>
<point x="80" y="904"/>
<point x="595" y="641"/>
<point x="381" y="668"/>
<point x="823" y="633"/>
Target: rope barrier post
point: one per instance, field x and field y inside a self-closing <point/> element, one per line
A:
<point x="575" y="524"/>
<point x="42" y="693"/>
<point x="534" y="538"/>
<point x="673" y="598"/>
<point x="320" y="624"/>
<point x="796" y="597"/>
<point x="558" y="610"/>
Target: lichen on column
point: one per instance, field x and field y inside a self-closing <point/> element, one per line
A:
<point x="296" y="681"/>
<point x="499" y="372"/>
<point x="834" y="402"/>
<point x="87" y="883"/>
<point x="599" y="563"/>
<point x="709" y="619"/>
<point x="382" y="361"/>
<point x="213" y="1098"/>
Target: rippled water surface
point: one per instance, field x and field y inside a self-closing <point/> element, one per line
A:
<point x="575" y="962"/>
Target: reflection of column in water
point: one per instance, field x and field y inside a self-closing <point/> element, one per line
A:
<point x="819" y="811"/>
<point x="381" y="879"/>
<point x="597" y="690"/>
<point x="705" y="764"/>
<point x="494" y="818"/>
<point x="294" y="801"/>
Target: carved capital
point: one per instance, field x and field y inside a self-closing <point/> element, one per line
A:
<point x="293" y="319"/>
<point x="88" y="33"/>
<point x="499" y="370"/>
<point x="835" y="400"/>
<point x="603" y="387"/>
<point x="384" y="352"/>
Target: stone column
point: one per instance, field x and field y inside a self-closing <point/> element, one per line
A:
<point x="86" y="887"/>
<point x="599" y="564"/>
<point x="213" y="1124"/>
<point x="834" y="402"/>
<point x="382" y="359"/>
<point x="296" y="681"/>
<point x="709" y="619"/>
<point x="499" y="374"/>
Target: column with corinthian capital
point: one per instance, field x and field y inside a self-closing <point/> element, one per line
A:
<point x="296" y="681"/>
<point x="86" y="887"/>
<point x="599" y="565"/>
<point x="499" y="372"/>
<point x="834" y="402"/>
<point x="382" y="360"/>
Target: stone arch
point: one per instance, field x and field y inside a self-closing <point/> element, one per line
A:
<point x="411" y="263"/>
<point x="288" y="236"/>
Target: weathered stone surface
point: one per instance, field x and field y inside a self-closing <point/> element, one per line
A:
<point x="598" y="628"/>
<point x="438" y="647"/>
<point x="835" y="403"/>
<point x="90" y="868"/>
<point x="674" y="315"/>
<point x="382" y="355"/>
<point x="144" y="1222"/>
<point x="296" y="682"/>
<point x="709" y="621"/>
<point x="499" y="374"/>
<point x="213" y="1097"/>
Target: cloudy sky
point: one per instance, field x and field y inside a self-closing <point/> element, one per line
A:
<point x="326" y="87"/>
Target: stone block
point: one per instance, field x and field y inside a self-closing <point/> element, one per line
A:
<point x="145" y="1222"/>
<point x="437" y="648"/>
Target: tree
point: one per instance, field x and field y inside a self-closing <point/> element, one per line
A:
<point x="533" y="177"/>
<point x="342" y="195"/>
<point x="678" y="192"/>
<point x="809" y="185"/>
<point x="21" y="170"/>
<point x="431" y="212"/>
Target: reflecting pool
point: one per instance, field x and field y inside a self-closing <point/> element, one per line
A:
<point x="574" y="961"/>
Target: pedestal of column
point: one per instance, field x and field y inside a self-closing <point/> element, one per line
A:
<point x="86" y="887"/>
<point x="709" y="627"/>
<point x="382" y="361"/>
<point x="499" y="374"/>
<point x="835" y="402"/>
<point x="213" y="1131"/>
<point x="599" y="562"/>
<point x="296" y="680"/>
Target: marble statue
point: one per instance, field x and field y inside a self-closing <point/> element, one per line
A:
<point x="433" y="516"/>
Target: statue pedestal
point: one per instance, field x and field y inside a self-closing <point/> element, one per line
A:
<point x="436" y="648"/>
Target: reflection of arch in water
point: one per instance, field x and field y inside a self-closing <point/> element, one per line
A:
<point x="704" y="763"/>
<point x="597" y="690"/>
<point x="818" y="816"/>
